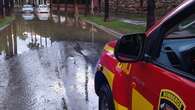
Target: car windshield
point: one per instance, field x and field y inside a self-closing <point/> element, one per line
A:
<point x="184" y="29"/>
<point x="27" y="6"/>
<point x="42" y="6"/>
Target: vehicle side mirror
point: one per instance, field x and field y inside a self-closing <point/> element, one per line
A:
<point x="130" y="48"/>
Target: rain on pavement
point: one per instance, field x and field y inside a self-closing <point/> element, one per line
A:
<point x="47" y="62"/>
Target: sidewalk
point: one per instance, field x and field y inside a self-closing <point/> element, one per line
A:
<point x="117" y="26"/>
<point x="107" y="30"/>
<point x="131" y="21"/>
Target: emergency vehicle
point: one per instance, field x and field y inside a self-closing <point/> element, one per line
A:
<point x="154" y="70"/>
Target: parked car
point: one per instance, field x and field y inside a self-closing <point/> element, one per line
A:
<point x="27" y="8"/>
<point x="154" y="70"/>
<point x="43" y="9"/>
<point x="28" y="16"/>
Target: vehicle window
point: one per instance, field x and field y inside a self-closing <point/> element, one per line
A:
<point x="28" y="6"/>
<point x="178" y="47"/>
<point x="184" y="29"/>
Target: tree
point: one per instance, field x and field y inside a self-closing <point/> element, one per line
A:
<point x="7" y="7"/>
<point x="1" y="8"/>
<point x="106" y="11"/>
<point x="50" y="3"/>
<point x="65" y="5"/>
<point x="100" y="5"/>
<point x="76" y="8"/>
<point x="58" y="5"/>
<point x="117" y="7"/>
<point x="150" y="13"/>
<point x="141" y="3"/>
<point x="87" y="7"/>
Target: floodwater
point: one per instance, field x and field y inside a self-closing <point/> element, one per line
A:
<point x="47" y="62"/>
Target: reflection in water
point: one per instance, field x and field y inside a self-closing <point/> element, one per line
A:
<point x="22" y="35"/>
<point x="43" y="16"/>
<point x="64" y="49"/>
<point x="8" y="42"/>
<point x="28" y="16"/>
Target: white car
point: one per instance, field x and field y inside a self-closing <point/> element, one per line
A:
<point x="27" y="8"/>
<point x="28" y="16"/>
<point x="43" y="9"/>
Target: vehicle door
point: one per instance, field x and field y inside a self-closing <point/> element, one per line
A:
<point x="166" y="80"/>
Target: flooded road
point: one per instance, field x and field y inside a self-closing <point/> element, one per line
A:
<point x="47" y="62"/>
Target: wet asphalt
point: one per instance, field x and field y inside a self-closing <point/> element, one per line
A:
<point x="47" y="62"/>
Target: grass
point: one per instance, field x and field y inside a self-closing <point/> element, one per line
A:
<point x="6" y="20"/>
<point x="116" y="25"/>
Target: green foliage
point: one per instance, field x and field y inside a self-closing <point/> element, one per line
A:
<point x="116" y="25"/>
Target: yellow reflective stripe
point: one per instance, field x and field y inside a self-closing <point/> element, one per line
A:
<point x="109" y="76"/>
<point x="109" y="49"/>
<point x="139" y="102"/>
<point x="125" y="67"/>
<point x="119" y="106"/>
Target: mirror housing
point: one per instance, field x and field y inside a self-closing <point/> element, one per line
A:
<point x="130" y="48"/>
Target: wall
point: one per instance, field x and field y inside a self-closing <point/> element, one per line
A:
<point x="134" y="6"/>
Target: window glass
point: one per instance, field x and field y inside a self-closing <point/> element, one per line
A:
<point x="178" y="47"/>
<point x="184" y="29"/>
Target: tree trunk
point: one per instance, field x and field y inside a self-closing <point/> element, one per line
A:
<point x="7" y="8"/>
<point x="141" y="3"/>
<point x="86" y="7"/>
<point x="65" y="6"/>
<point x="117" y="7"/>
<point x="58" y="5"/>
<point x="150" y="13"/>
<point x="76" y="10"/>
<point x="106" y="11"/>
<point x="1" y="8"/>
<point x="100" y="5"/>
<point x="51" y="2"/>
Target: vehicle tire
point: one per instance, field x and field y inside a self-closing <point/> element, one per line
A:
<point x="105" y="98"/>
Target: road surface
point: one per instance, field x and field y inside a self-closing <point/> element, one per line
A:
<point x="47" y="62"/>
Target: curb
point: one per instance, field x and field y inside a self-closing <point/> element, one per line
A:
<point x="107" y="30"/>
<point x="5" y="26"/>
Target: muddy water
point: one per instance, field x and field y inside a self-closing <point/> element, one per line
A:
<point x="47" y="61"/>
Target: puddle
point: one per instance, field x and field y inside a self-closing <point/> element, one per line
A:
<point x="53" y="67"/>
<point x="34" y="31"/>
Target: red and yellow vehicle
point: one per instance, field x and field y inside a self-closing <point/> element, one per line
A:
<point x="151" y="71"/>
